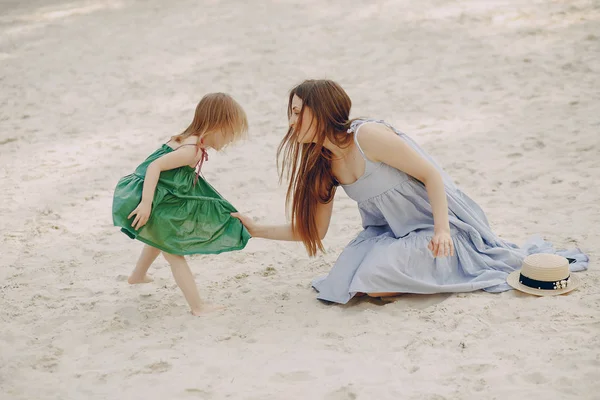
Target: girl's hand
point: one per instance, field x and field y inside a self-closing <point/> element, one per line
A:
<point x="246" y="221"/>
<point x="142" y="213"/>
<point x="441" y="244"/>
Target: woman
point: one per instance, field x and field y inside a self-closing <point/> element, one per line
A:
<point x="421" y="233"/>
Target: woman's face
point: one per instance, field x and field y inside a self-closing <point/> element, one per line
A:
<point x="307" y="134"/>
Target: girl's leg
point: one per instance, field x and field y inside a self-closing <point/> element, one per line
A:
<point x="185" y="280"/>
<point x="146" y="259"/>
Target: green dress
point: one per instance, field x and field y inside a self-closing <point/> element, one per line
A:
<point x="187" y="217"/>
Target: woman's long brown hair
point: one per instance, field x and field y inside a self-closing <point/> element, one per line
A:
<point x="308" y="165"/>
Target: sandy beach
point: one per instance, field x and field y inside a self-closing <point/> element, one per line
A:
<point x="505" y="94"/>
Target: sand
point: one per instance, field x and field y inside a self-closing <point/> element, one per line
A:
<point x="504" y="94"/>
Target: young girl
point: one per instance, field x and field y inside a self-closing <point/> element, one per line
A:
<point x="421" y="234"/>
<point x="169" y="207"/>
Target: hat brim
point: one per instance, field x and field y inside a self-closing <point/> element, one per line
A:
<point x="513" y="280"/>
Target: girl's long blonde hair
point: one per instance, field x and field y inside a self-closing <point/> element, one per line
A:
<point x="216" y="111"/>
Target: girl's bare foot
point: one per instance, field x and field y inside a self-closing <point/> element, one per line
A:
<point x="206" y="308"/>
<point x="133" y="280"/>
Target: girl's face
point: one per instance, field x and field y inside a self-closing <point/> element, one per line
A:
<point x="308" y="128"/>
<point x="218" y="139"/>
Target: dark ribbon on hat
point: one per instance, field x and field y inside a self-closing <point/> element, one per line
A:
<point x="544" y="285"/>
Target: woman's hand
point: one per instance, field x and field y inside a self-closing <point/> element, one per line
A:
<point x="142" y="214"/>
<point x="247" y="222"/>
<point x="441" y="244"/>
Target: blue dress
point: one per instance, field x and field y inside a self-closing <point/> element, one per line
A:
<point x="391" y="254"/>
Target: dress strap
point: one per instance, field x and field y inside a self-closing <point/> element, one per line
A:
<point x="357" y="124"/>
<point x="199" y="164"/>
<point x="354" y="128"/>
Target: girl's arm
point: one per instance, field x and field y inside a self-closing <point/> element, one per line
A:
<point x="182" y="156"/>
<point x="381" y="144"/>
<point x="285" y="232"/>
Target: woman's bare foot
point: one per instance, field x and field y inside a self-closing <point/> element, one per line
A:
<point x="206" y="308"/>
<point x="384" y="294"/>
<point x="134" y="280"/>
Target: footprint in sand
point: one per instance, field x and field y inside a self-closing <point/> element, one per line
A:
<point x="480" y="385"/>
<point x="535" y="378"/>
<point x="147" y="307"/>
<point x="159" y="367"/>
<point x="332" y="335"/>
<point x="155" y="368"/>
<point x="476" y="368"/>
<point x="533" y="143"/>
<point x="343" y="393"/>
<point x="296" y="376"/>
<point x="203" y="394"/>
<point x="49" y="362"/>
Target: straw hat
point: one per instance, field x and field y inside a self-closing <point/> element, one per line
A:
<point x="544" y="275"/>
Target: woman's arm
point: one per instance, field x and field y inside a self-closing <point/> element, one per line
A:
<point x="183" y="156"/>
<point x="285" y="232"/>
<point x="381" y="144"/>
